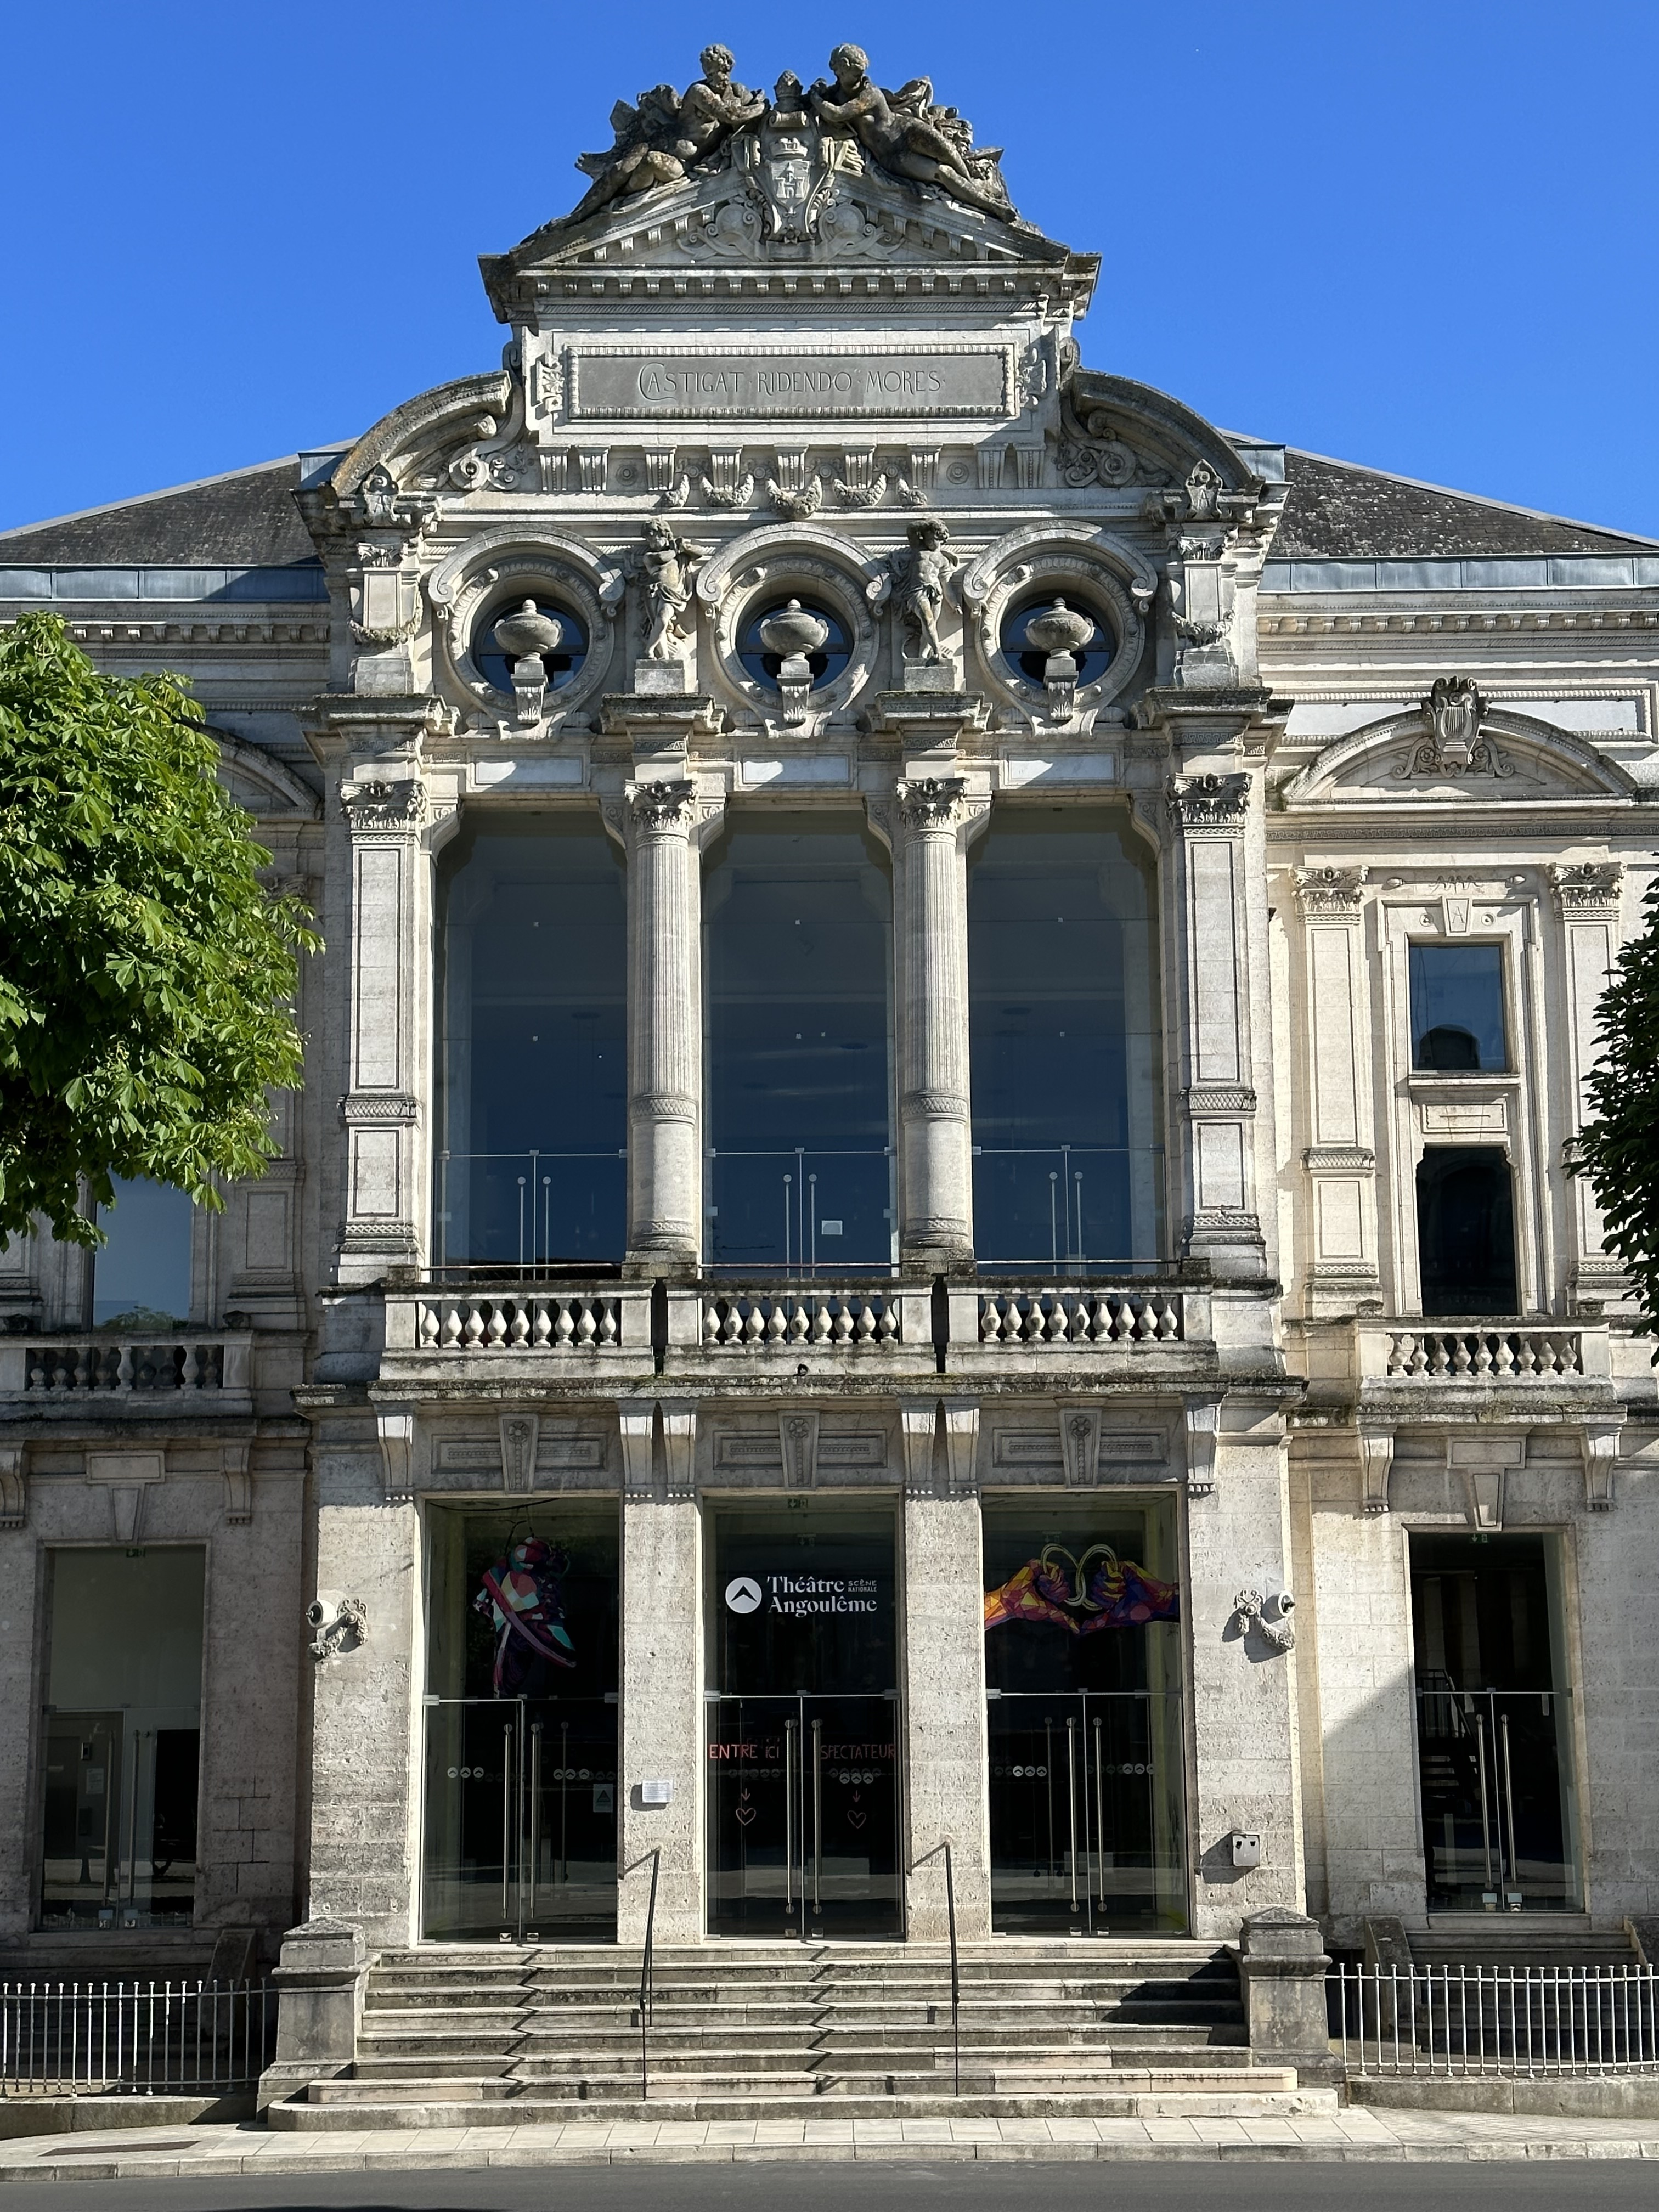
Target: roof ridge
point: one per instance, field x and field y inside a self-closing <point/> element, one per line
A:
<point x="168" y="491"/>
<point x="1476" y="499"/>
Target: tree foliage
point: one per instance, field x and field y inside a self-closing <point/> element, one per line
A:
<point x="146" y="977"/>
<point x="1619" y="1152"/>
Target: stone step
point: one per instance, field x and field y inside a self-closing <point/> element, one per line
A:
<point x="434" y="2104"/>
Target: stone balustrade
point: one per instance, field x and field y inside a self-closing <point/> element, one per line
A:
<point x="1056" y="1314"/>
<point x="840" y="1320"/>
<point x="193" y="1363"/>
<point x="1470" y="1352"/>
<point x="512" y="1321"/>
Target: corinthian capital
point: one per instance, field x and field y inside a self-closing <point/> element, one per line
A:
<point x="1210" y="806"/>
<point x="384" y="809"/>
<point x="931" y="802"/>
<point x="662" y="806"/>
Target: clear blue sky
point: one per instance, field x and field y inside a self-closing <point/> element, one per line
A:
<point x="1421" y="236"/>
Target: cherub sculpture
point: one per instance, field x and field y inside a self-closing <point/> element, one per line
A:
<point x="660" y="137"/>
<point x="905" y="133"/>
<point x="922" y="574"/>
<point x="668" y="568"/>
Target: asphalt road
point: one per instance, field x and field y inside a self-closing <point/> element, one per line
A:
<point x="1504" y="2185"/>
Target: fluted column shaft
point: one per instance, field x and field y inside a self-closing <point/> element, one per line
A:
<point x="936" y="1221"/>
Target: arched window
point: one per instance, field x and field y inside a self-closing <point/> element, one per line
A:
<point x="533" y="1057"/>
<point x="1066" y="1045"/>
<point x="797" y="957"/>
<point x="1466" y="1230"/>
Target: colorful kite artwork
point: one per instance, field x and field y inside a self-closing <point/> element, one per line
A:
<point x="523" y="1600"/>
<point x="1099" y="1590"/>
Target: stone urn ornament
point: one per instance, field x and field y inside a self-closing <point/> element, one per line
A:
<point x="1060" y="633"/>
<point x="793" y="634"/>
<point x="527" y="636"/>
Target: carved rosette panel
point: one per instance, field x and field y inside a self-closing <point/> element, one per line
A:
<point x="507" y="565"/>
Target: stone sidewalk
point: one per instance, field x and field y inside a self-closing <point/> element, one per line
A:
<point x="1356" y="2133"/>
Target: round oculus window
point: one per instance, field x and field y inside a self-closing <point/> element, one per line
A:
<point x="517" y="626"/>
<point x="791" y="629"/>
<point x="1091" y="649"/>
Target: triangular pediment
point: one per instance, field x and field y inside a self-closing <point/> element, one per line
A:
<point x="785" y="189"/>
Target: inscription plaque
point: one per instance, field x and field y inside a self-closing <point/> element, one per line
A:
<point x="753" y="385"/>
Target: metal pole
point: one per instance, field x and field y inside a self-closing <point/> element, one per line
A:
<point x="955" y="1976"/>
<point x="1100" y="1829"/>
<point x="564" y="1801"/>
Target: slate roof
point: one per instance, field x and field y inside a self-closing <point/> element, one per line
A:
<point x="1338" y="511"/>
<point x="245" y="520"/>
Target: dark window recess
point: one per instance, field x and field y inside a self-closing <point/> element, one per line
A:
<point x="1458" y="1008"/>
<point x="1466" y="1230"/>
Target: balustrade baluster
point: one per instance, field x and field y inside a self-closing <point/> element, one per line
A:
<point x="518" y="1334"/>
<point x="429" y="1327"/>
<point x="608" y="1321"/>
<point x="541" y="1334"/>
<point x="798" y="1324"/>
<point x="563" y="1328"/>
<point x="584" y="1329"/>
<point x="775" y="1324"/>
<point x="473" y="1332"/>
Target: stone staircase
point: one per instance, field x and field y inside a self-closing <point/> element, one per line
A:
<point x="455" y="2036"/>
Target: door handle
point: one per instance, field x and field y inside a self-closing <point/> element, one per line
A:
<point x="1100" y="1827"/>
<point x="1485" y="1820"/>
<point x="790" y="1730"/>
<point x="506" y="1812"/>
<point x="1071" y="1796"/>
<point x="817" y="1812"/>
<point x="1508" y="1805"/>
<point x="535" y="1811"/>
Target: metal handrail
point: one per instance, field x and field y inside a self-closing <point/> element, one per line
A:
<point x="648" y="1986"/>
<point x="955" y="1963"/>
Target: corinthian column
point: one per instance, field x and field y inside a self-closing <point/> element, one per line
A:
<point x="665" y="1057"/>
<point x="937" y="1221"/>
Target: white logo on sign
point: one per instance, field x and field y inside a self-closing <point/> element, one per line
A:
<point x="743" y="1595"/>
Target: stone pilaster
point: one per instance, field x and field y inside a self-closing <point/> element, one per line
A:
<point x="661" y="1708"/>
<point x="1341" y="1240"/>
<point x="1215" y="969"/>
<point x="385" y="1208"/>
<point x="944" y="1697"/>
<point x="1245" y="1766"/>
<point x="1588" y="897"/>
<point x="936" y="1227"/>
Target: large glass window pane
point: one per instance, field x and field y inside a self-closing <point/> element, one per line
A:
<point x="1466" y="1230"/>
<point x="1066" y="1052"/>
<point x="532" y="1060"/>
<point x="798" y="937"/>
<point x="141" y="1277"/>
<point x="1457" y="1007"/>
<point x="122" y="1735"/>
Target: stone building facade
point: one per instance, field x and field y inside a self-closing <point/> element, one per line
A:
<point x="1137" y="1394"/>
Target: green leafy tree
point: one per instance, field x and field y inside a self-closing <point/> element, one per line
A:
<point x="146" y="977"/>
<point x="1619" y="1152"/>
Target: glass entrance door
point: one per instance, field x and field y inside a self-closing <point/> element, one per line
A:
<point x="804" y="1816"/>
<point x="803" y="1721"/>
<point x="1494" y="1731"/>
<point x="1084" y="1811"/>
<point x="521" y="1820"/>
<point x="1082" y="1711"/>
<point x="519" y="1837"/>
